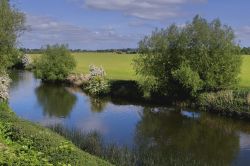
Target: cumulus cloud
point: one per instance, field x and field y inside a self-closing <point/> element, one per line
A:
<point x="47" y="30"/>
<point x="144" y="9"/>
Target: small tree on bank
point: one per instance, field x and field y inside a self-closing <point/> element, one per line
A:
<point x="201" y="56"/>
<point x="55" y="64"/>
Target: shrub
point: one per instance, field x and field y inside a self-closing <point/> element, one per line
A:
<point x="205" y="51"/>
<point x="227" y="100"/>
<point x="4" y="86"/>
<point x="27" y="61"/>
<point x="97" y="84"/>
<point x="55" y="64"/>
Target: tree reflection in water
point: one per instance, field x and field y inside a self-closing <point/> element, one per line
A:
<point x="168" y="137"/>
<point x="97" y="105"/>
<point x="55" y="100"/>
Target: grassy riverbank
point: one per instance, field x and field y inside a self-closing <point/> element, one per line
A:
<point x="26" y="143"/>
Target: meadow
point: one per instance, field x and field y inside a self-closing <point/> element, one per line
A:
<point x="245" y="72"/>
<point x="119" y="66"/>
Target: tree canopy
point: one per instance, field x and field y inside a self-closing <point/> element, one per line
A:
<point x="199" y="56"/>
<point x="11" y="26"/>
<point x="55" y="63"/>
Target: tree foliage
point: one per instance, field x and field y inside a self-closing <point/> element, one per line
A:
<point x="200" y="56"/>
<point x="11" y="26"/>
<point x="245" y="50"/>
<point x="55" y="63"/>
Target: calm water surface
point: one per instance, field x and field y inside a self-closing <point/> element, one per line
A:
<point x="206" y="138"/>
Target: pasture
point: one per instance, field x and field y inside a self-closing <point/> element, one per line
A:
<point x="245" y="72"/>
<point x="119" y="66"/>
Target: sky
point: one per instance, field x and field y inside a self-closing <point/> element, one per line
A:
<point x="106" y="24"/>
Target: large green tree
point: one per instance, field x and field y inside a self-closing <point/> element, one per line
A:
<point x="11" y="26"/>
<point x="55" y="64"/>
<point x="200" y="56"/>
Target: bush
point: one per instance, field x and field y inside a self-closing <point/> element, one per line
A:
<point x="4" y="87"/>
<point x="224" y="100"/>
<point x="205" y="52"/>
<point x="97" y="84"/>
<point x="27" y="61"/>
<point x="55" y="64"/>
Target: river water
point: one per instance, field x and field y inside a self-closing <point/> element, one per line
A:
<point x="205" y="138"/>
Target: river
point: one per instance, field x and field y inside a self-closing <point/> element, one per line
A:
<point x="205" y="138"/>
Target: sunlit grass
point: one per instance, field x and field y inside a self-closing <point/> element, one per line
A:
<point x="245" y="72"/>
<point x="119" y="66"/>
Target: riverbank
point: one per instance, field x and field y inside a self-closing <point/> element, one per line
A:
<point x="26" y="143"/>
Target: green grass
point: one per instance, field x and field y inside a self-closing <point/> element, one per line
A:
<point x="26" y="143"/>
<point x="119" y="66"/>
<point x="245" y="72"/>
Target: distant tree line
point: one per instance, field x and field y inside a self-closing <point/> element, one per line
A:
<point x="119" y="51"/>
<point x="245" y="50"/>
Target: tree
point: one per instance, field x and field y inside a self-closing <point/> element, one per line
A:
<point x="55" y="63"/>
<point x="11" y="26"/>
<point x="245" y="50"/>
<point x="200" y="56"/>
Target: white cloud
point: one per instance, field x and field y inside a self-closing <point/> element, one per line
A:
<point x="144" y="9"/>
<point x="47" y="30"/>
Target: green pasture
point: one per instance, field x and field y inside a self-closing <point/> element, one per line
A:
<point x="245" y="72"/>
<point x="119" y="66"/>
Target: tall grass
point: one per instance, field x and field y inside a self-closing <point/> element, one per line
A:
<point x="144" y="153"/>
<point x="227" y="100"/>
<point x="92" y="143"/>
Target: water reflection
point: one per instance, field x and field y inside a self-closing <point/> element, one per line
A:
<point x="172" y="138"/>
<point x="55" y="100"/>
<point x="158" y="136"/>
<point x="97" y="105"/>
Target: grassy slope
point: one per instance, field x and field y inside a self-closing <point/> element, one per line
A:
<point x="25" y="143"/>
<point x="245" y="72"/>
<point x="120" y="66"/>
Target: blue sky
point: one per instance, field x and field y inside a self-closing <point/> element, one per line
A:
<point x="102" y="24"/>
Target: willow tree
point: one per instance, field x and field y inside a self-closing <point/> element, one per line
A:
<point x="200" y="56"/>
<point x="11" y="26"/>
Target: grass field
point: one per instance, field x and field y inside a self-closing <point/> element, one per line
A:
<point x="245" y="72"/>
<point x="119" y="66"/>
